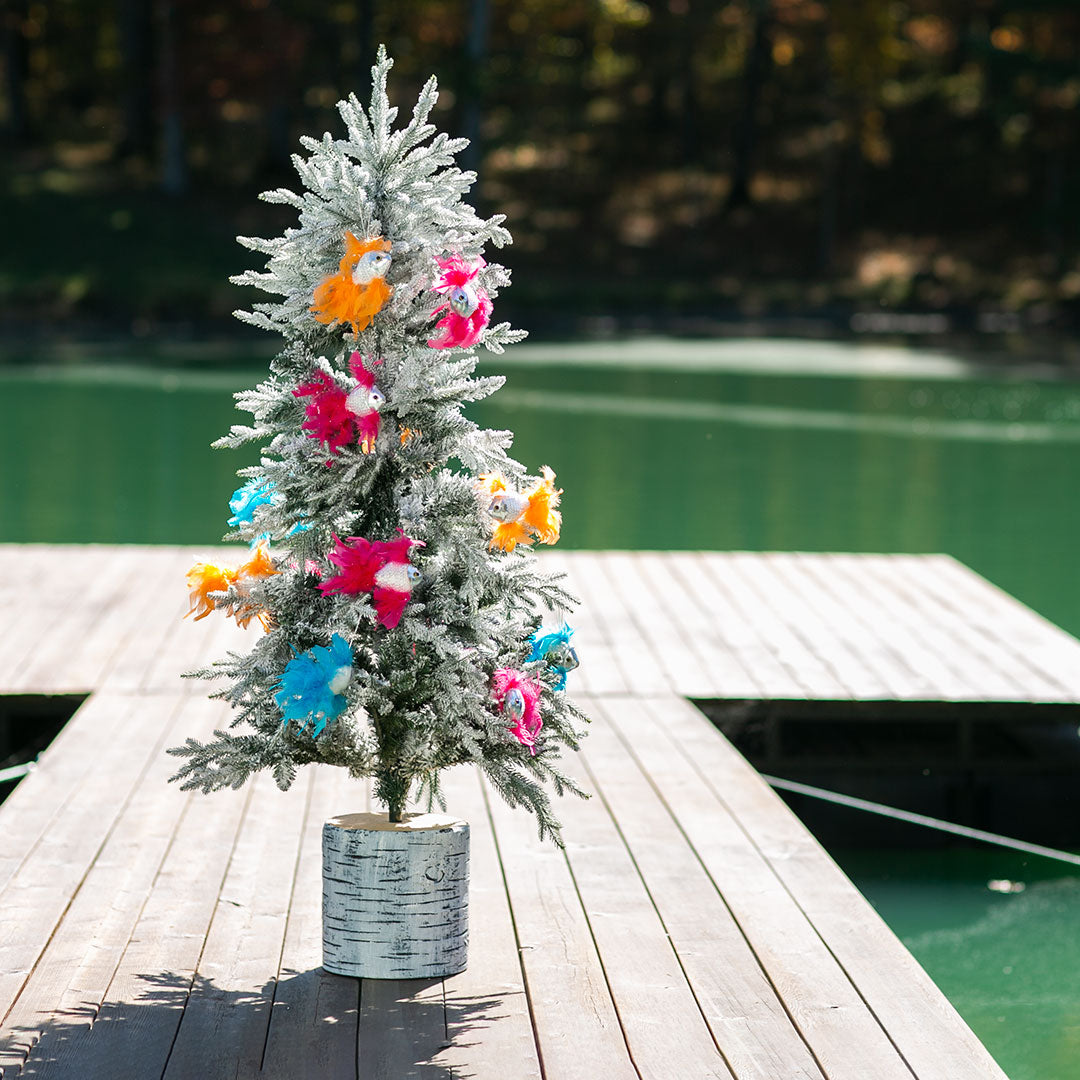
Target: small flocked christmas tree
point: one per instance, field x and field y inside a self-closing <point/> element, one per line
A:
<point x="391" y="567"/>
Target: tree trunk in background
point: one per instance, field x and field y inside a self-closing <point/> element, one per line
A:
<point x="16" y="65"/>
<point x="746" y="129"/>
<point x="365" y="46"/>
<point x="174" y="173"/>
<point x="472" y="83"/>
<point x="689" y="119"/>
<point x="136" y="48"/>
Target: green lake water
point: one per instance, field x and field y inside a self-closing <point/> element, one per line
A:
<point x="751" y="445"/>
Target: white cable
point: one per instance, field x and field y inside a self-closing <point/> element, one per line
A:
<point x="920" y="819"/>
<point x="15" y="772"/>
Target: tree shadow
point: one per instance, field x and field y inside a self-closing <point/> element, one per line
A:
<point x="306" y="1024"/>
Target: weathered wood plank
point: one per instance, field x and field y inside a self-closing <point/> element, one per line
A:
<point x="826" y="1008"/>
<point x="737" y="635"/>
<point x="824" y="662"/>
<point x="23" y="569"/>
<point x="660" y="626"/>
<point x="921" y="1024"/>
<point x="577" y="1026"/>
<point x="661" y="1018"/>
<point x="894" y="622"/>
<point x="313" y="1019"/>
<point x="594" y="676"/>
<point x="747" y="1019"/>
<point x="816" y="679"/>
<point x="836" y="649"/>
<point x="153" y="578"/>
<point x="966" y="627"/>
<point x="242" y="951"/>
<point x="924" y="617"/>
<point x="833" y="613"/>
<point x="72" y="975"/>
<point x="66" y="571"/>
<point x="607" y="669"/>
<point x="722" y="667"/>
<point x="39" y="891"/>
<point x="45" y="669"/>
<point x="845" y="604"/>
<point x="635" y="654"/>
<point x="168" y="634"/>
<point x="133" y="1033"/>
<point x="489" y="1025"/>
<point x="402" y="1029"/>
<point x="1038" y="646"/>
<point x="190" y="644"/>
<point x="40" y="798"/>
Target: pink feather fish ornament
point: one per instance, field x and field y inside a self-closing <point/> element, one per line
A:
<point x="467" y="305"/>
<point x="379" y="567"/>
<point x="518" y="698"/>
<point x="339" y="417"/>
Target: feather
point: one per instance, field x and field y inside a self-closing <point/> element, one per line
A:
<point x="521" y="518"/>
<point x="202" y="580"/>
<point x="540" y="513"/>
<point x="340" y="298"/>
<point x="328" y="417"/>
<point x="468" y="307"/>
<point x="525" y="728"/>
<point x="309" y="689"/>
<point x="380" y="567"/>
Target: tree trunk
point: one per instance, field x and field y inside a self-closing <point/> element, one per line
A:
<point x="395" y="897"/>
<point x="16" y="67"/>
<point x="757" y="64"/>
<point x="472" y="82"/>
<point x="174" y="174"/>
<point x="136" y="47"/>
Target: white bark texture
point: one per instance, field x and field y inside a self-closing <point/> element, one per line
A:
<point x="395" y="896"/>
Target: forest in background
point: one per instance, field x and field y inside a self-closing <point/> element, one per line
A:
<point x="659" y="161"/>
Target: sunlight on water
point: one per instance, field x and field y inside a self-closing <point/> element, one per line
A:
<point x="1010" y="963"/>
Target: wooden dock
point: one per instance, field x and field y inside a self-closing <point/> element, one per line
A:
<point x="692" y="927"/>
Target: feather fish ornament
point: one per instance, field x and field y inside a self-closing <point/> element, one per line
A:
<point x="467" y="306"/>
<point x="205" y="579"/>
<point x="379" y="567"/>
<point x="522" y="517"/>
<point x="312" y="686"/>
<point x="555" y="648"/>
<point x="518" y="699"/>
<point x="357" y="292"/>
<point x="338" y="417"/>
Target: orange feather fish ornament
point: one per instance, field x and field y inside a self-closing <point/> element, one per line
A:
<point x="357" y="292"/>
<point x="522" y="517"/>
<point x="203" y="579"/>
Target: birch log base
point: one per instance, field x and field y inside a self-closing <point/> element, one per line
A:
<point x="395" y="896"/>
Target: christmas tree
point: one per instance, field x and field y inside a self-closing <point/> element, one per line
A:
<point x="391" y="567"/>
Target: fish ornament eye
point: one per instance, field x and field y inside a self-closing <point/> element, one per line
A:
<point x="463" y="300"/>
<point x="514" y="704"/>
<point x="563" y="656"/>
<point x="370" y="265"/>
<point x="361" y="400"/>
<point x="412" y="574"/>
<point x="500" y="508"/>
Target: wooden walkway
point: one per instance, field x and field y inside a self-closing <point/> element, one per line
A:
<point x="692" y="927"/>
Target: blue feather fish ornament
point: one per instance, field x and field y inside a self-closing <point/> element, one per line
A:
<point x="555" y="648"/>
<point x="313" y="683"/>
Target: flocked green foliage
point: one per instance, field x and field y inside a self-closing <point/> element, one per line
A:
<point x="420" y="697"/>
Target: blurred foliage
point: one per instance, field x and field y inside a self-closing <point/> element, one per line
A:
<point x="704" y="156"/>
